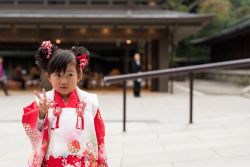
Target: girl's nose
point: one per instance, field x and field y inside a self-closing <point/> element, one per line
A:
<point x="64" y="80"/>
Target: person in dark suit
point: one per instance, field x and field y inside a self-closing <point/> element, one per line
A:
<point x="137" y="67"/>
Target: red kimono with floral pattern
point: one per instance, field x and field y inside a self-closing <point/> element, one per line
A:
<point x="72" y="133"/>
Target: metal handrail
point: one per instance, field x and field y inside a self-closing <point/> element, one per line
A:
<point x="178" y="70"/>
<point x="190" y="70"/>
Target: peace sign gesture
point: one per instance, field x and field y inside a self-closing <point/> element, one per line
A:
<point x="44" y="103"/>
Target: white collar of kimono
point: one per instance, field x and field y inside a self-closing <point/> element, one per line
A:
<point x="82" y="95"/>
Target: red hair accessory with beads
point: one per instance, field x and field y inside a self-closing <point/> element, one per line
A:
<point x="46" y="45"/>
<point x="83" y="60"/>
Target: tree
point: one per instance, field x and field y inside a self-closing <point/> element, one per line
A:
<point x="221" y="8"/>
<point x="226" y="13"/>
<point x="182" y="5"/>
<point x="241" y="9"/>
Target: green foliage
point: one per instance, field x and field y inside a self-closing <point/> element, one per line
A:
<point x="227" y="12"/>
<point x="221" y="8"/>
<point x="241" y="9"/>
<point x="180" y="5"/>
<point x="242" y="12"/>
<point x="239" y="3"/>
<point x="187" y="52"/>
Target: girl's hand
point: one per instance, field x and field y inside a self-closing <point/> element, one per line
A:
<point x="44" y="104"/>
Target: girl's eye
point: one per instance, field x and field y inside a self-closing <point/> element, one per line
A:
<point x="69" y="75"/>
<point x="58" y="75"/>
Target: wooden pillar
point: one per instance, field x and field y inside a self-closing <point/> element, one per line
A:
<point x="155" y="63"/>
<point x="130" y="4"/>
<point x="163" y="59"/>
<point x="110" y="2"/>
<point x="146" y="62"/>
<point x="126" y="58"/>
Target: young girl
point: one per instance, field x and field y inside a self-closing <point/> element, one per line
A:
<point x="64" y="125"/>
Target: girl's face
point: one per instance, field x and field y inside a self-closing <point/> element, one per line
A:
<point x="65" y="83"/>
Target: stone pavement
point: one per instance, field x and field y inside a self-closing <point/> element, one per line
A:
<point x="158" y="133"/>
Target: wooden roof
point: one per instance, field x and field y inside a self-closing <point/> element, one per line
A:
<point x="101" y="16"/>
<point x="238" y="29"/>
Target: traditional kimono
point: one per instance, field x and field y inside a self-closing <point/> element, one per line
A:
<point x="72" y="133"/>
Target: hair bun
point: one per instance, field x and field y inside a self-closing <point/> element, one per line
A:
<point x="44" y="54"/>
<point x="79" y="50"/>
<point x="82" y="56"/>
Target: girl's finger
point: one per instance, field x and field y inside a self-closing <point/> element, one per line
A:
<point x="37" y="95"/>
<point x="44" y="94"/>
<point x="47" y="104"/>
<point x="42" y="103"/>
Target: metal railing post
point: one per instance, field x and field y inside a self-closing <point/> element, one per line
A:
<point x="124" y="104"/>
<point x="191" y="84"/>
<point x="171" y="85"/>
<point x="187" y="70"/>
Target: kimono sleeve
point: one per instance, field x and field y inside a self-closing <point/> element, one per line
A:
<point x="39" y="140"/>
<point x="30" y="115"/>
<point x="100" y="134"/>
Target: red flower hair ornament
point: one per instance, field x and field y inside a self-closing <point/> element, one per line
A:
<point x="83" y="60"/>
<point x="46" y="45"/>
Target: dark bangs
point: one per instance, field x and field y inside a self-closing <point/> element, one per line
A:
<point x="60" y="60"/>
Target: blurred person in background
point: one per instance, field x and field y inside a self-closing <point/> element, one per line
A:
<point x="136" y="68"/>
<point x="18" y="75"/>
<point x="34" y="76"/>
<point x="3" y="78"/>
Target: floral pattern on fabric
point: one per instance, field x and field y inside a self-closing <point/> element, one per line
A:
<point x="60" y="161"/>
<point x="32" y="133"/>
<point x="74" y="146"/>
<point x="39" y="140"/>
<point x="87" y="159"/>
<point x="102" y="157"/>
<point x="100" y="133"/>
